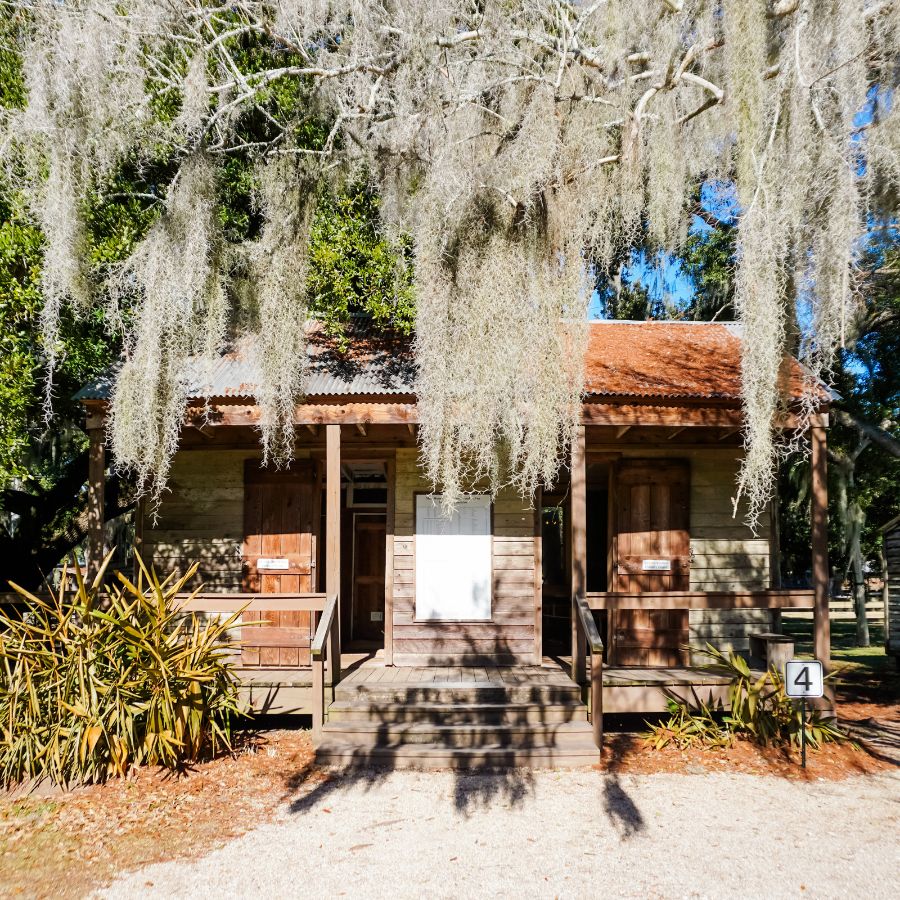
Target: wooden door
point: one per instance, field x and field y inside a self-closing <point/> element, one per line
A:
<point x="652" y="553"/>
<point x="280" y="508"/>
<point x="369" y="536"/>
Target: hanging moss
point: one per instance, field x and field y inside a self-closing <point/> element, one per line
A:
<point x="514" y="147"/>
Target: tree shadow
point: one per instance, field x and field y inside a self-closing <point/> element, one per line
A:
<point x="622" y="812"/>
<point x="620" y="809"/>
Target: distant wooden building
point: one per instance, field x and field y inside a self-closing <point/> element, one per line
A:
<point x="891" y="536"/>
<point x="457" y="626"/>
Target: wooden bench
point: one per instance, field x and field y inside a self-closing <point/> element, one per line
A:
<point x="772" y="649"/>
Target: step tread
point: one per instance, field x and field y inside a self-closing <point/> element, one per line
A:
<point x="515" y="692"/>
<point x="518" y="706"/>
<point x="462" y="726"/>
<point x="433" y="755"/>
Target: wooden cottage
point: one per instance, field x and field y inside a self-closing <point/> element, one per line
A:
<point x="502" y="633"/>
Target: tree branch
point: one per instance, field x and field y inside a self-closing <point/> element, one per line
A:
<point x="874" y="433"/>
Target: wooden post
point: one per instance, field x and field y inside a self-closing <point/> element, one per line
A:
<point x="775" y="554"/>
<point x="597" y="697"/>
<point x="538" y="580"/>
<point x="95" y="499"/>
<point x="390" y="468"/>
<point x="819" y="515"/>
<point x="578" y="514"/>
<point x="333" y="533"/>
<point x="318" y="700"/>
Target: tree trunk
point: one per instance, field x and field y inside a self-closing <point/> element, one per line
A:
<point x="858" y="580"/>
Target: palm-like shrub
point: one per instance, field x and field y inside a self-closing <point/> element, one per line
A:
<point x="98" y="679"/>
<point x="759" y="710"/>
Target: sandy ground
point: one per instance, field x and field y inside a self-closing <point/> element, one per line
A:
<point x="581" y="833"/>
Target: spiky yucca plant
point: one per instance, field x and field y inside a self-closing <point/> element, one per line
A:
<point x="759" y="710"/>
<point x="99" y="679"/>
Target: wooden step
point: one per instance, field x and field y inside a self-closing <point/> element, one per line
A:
<point x="364" y="710"/>
<point x="431" y="756"/>
<point x="469" y="736"/>
<point x="458" y="692"/>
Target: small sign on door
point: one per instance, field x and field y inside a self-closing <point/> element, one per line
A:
<point x="264" y="563"/>
<point x="656" y="565"/>
<point x="804" y="678"/>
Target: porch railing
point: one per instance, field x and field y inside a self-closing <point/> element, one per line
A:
<point x="589" y="636"/>
<point x="222" y="603"/>
<point x="295" y="640"/>
<point x="650" y="600"/>
<point x="586" y="637"/>
<point x="324" y="648"/>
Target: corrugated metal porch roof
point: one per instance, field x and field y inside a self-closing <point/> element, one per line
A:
<point x="640" y="360"/>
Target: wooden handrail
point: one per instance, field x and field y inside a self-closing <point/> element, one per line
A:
<point x="325" y="647"/>
<point x="770" y="599"/>
<point x="588" y="625"/>
<point x="588" y="632"/>
<point x="318" y="642"/>
<point x="283" y="602"/>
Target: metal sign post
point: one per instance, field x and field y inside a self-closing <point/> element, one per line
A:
<point x="803" y="678"/>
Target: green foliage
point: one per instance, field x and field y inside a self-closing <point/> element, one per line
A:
<point x="689" y="725"/>
<point x="758" y="710"/>
<point x="709" y="259"/>
<point x="103" y="679"/>
<point x="354" y="267"/>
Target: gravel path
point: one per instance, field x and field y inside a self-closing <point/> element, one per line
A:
<point x="557" y="834"/>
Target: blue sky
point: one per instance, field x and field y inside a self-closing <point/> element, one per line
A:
<point x="662" y="273"/>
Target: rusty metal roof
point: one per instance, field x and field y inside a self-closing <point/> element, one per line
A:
<point x="373" y="363"/>
<point x="641" y="360"/>
<point x="665" y="360"/>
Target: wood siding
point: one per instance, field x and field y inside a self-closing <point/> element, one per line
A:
<point x="892" y="613"/>
<point x="726" y="555"/>
<point x="509" y="637"/>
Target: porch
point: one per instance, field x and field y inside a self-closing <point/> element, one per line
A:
<point x="365" y="712"/>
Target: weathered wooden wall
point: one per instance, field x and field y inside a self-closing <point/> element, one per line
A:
<point x="201" y="518"/>
<point x="726" y="554"/>
<point x="509" y="637"/>
<point x="892" y="614"/>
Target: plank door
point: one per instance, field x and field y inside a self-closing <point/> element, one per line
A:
<point x="652" y="553"/>
<point x="369" y="536"/>
<point x="279" y="556"/>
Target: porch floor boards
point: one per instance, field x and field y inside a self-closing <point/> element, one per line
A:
<point x="374" y="672"/>
<point x="367" y="668"/>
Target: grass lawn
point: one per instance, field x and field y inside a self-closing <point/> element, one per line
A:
<point x="866" y="675"/>
<point x="843" y="643"/>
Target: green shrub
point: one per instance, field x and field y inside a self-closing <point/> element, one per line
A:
<point x="99" y="679"/>
<point x="759" y="710"/>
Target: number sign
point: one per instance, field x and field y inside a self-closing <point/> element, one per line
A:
<point x="803" y="678"/>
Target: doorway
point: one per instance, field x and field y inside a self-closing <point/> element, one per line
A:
<point x="367" y="619"/>
<point x="279" y="556"/>
<point x="652" y="554"/>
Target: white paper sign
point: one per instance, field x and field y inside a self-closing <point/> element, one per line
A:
<point x="656" y="565"/>
<point x="804" y="678"/>
<point x="453" y="559"/>
<point x="264" y="563"/>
